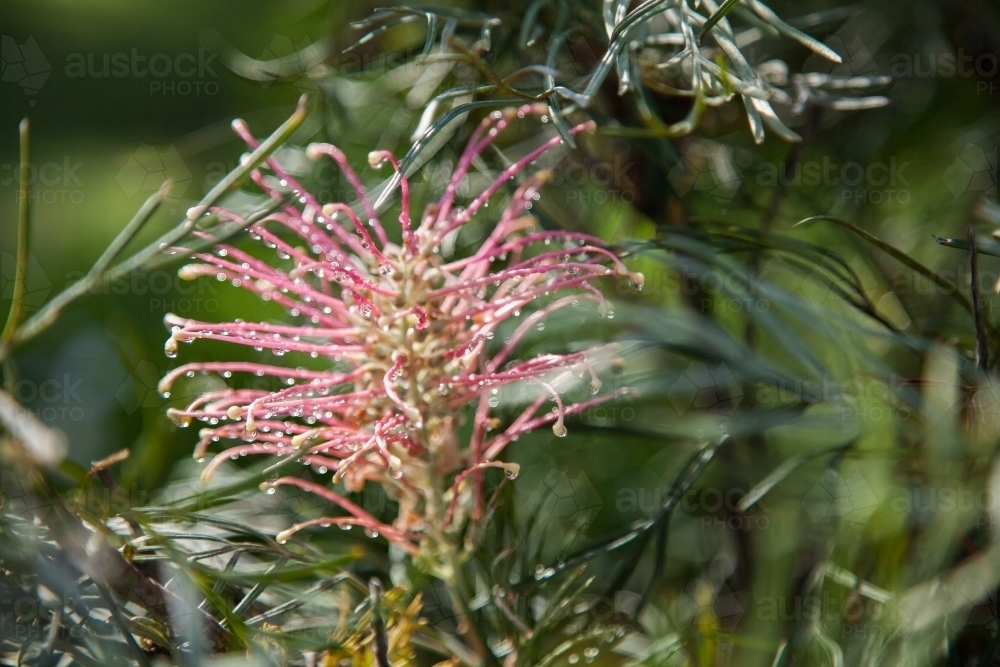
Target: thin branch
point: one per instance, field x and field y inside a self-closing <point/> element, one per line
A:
<point x="23" y="213"/>
<point x="380" y="643"/>
<point x="982" y="337"/>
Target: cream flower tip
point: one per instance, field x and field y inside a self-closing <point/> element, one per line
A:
<point x="188" y="272"/>
<point x="234" y="412"/>
<point x="303" y="438"/>
<point x="179" y="417"/>
<point x="315" y="151"/>
<point x="511" y="469"/>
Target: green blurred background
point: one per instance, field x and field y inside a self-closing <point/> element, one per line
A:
<point x="923" y="165"/>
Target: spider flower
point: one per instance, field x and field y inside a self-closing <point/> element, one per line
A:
<point x="407" y="338"/>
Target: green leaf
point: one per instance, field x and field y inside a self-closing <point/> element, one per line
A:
<point x="718" y="15"/>
<point x="951" y="289"/>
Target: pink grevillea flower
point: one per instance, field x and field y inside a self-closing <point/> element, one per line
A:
<point x="406" y="337"/>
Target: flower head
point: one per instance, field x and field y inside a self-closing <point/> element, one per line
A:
<point x="406" y="336"/>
